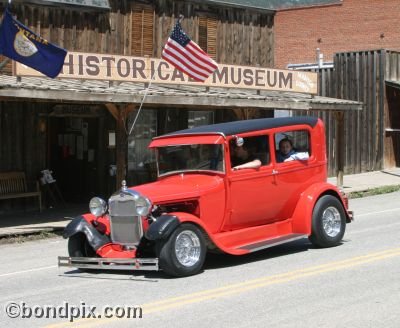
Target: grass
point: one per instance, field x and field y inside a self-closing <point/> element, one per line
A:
<point x="373" y="192"/>
<point x="19" y="239"/>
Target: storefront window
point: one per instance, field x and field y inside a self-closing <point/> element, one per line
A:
<point x="197" y="118"/>
<point x="140" y="159"/>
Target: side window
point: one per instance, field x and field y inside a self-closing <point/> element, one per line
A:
<point x="292" y="145"/>
<point x="253" y="148"/>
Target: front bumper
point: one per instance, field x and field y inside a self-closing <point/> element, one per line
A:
<point x="144" y="264"/>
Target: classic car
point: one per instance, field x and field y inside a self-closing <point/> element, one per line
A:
<point x="204" y="201"/>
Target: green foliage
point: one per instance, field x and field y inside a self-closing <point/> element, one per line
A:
<point x="375" y="191"/>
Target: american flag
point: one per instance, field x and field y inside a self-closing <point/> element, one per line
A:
<point x="187" y="56"/>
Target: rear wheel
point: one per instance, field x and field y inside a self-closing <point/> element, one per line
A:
<point x="328" y="222"/>
<point x="184" y="252"/>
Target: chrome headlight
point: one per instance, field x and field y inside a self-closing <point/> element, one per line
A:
<point x="143" y="206"/>
<point x="97" y="206"/>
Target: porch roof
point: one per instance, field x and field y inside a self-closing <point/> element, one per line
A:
<point x="40" y="89"/>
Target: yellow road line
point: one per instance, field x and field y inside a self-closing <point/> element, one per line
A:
<point x="242" y="287"/>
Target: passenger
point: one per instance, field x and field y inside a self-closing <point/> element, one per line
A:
<point x="244" y="158"/>
<point x="286" y="152"/>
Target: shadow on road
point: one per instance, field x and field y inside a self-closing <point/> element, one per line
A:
<point x="212" y="262"/>
<point x="220" y="261"/>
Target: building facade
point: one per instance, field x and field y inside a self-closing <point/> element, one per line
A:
<point x="79" y="128"/>
<point x="361" y="42"/>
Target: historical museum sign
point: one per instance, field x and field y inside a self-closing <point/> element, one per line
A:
<point x="143" y="69"/>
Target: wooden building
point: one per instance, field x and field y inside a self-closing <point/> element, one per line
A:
<point x="79" y="127"/>
<point x="372" y="136"/>
<point x="353" y="35"/>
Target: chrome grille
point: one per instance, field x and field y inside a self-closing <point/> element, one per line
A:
<point x="126" y="230"/>
<point x="126" y="225"/>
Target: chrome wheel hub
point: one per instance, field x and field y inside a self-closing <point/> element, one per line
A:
<point x="187" y="248"/>
<point x="331" y="221"/>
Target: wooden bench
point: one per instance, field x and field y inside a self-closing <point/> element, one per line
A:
<point x="13" y="185"/>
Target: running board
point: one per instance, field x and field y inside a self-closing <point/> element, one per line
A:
<point x="148" y="264"/>
<point x="272" y="242"/>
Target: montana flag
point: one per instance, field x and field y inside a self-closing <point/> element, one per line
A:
<point x="21" y="44"/>
<point x="187" y="56"/>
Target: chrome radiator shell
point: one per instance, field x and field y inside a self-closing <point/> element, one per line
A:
<point x="126" y="225"/>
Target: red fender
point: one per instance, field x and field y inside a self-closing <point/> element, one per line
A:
<point x="302" y="215"/>
<point x="190" y="218"/>
<point x="89" y="217"/>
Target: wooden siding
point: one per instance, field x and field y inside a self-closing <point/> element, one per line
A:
<point x="233" y="35"/>
<point x="357" y="76"/>
<point x="5" y="65"/>
<point x="23" y="145"/>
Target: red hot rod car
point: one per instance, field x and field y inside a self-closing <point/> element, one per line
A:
<point x="225" y="187"/>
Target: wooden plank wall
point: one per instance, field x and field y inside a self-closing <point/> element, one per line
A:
<point x="23" y="145"/>
<point x="244" y="37"/>
<point x="356" y="76"/>
<point x="98" y="32"/>
<point x="326" y="88"/>
<point x="360" y="76"/>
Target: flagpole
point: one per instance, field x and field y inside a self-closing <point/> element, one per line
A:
<point x="147" y="89"/>
<point x="144" y="97"/>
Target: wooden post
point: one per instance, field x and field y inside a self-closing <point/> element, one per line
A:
<point x="119" y="112"/>
<point x="339" y="147"/>
<point x="121" y="146"/>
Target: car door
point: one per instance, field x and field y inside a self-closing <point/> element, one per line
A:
<point x="293" y="177"/>
<point x="252" y="195"/>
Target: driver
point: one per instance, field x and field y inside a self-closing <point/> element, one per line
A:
<point x="244" y="158"/>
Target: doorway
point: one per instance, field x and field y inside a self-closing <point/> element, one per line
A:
<point x="392" y="127"/>
<point x="74" y="148"/>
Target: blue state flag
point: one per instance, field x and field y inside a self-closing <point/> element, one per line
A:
<point x="21" y="44"/>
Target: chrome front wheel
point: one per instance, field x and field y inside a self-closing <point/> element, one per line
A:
<point x="187" y="248"/>
<point x="184" y="252"/>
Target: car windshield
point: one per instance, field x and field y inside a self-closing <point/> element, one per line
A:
<point x="178" y="158"/>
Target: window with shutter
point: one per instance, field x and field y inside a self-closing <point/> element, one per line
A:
<point x="142" y="30"/>
<point x="208" y="35"/>
<point x="5" y="65"/>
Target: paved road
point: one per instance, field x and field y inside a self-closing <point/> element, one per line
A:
<point x="354" y="285"/>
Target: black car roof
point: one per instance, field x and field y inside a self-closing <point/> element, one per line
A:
<point x="235" y="127"/>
